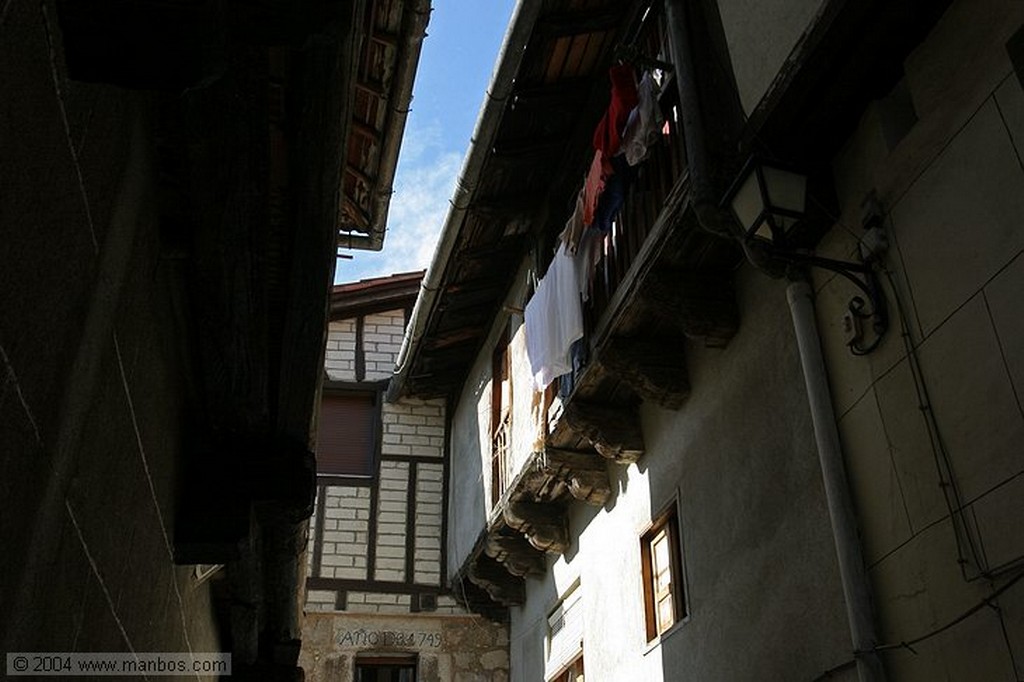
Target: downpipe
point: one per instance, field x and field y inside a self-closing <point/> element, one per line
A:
<point x="852" y="571"/>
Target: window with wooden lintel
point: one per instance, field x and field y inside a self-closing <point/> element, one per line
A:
<point x="661" y="561"/>
<point x="348" y="432"/>
<point x="501" y="416"/>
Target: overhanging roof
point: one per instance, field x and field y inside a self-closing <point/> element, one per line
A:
<point x="384" y="74"/>
<point x="527" y="158"/>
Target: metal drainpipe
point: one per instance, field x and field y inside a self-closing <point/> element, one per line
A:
<point x="852" y="572"/>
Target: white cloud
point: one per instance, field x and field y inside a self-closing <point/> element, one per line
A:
<point x="424" y="182"/>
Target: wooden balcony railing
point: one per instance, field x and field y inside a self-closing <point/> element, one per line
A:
<point x="501" y="475"/>
<point x="657" y="175"/>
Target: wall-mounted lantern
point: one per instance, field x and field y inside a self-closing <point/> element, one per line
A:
<point x="769" y="203"/>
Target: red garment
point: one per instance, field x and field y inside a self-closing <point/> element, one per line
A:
<point x="592" y="188"/>
<point x="608" y="134"/>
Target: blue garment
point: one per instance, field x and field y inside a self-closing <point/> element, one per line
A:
<point x="614" y="195"/>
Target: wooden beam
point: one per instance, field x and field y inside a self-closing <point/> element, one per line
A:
<point x="655" y="368"/>
<point x="614" y="431"/>
<point x="365" y="129"/>
<point x="576" y="23"/>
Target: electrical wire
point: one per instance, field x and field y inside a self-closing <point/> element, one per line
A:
<point x="909" y="644"/>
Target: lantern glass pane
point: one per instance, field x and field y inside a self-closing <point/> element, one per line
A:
<point x="765" y="231"/>
<point x="747" y="204"/>
<point x="786" y="190"/>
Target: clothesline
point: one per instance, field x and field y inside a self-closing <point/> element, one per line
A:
<point x="554" y="316"/>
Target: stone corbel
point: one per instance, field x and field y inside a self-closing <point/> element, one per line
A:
<point x="699" y="304"/>
<point x="655" y="368"/>
<point x="545" y="525"/>
<point x="488" y="574"/>
<point x="585" y="473"/>
<point x="613" y="430"/>
<point x="516" y="553"/>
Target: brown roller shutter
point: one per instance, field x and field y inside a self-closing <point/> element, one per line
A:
<point x="346" y="438"/>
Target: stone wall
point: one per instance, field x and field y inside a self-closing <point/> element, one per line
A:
<point x="452" y="648"/>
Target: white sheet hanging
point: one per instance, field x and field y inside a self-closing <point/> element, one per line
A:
<point x="554" y="320"/>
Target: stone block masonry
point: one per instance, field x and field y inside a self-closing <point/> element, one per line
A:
<point x="382" y="340"/>
<point x="340" y="355"/>
<point x="345" y="532"/>
<point x="460" y="648"/>
<point x="429" y="494"/>
<point x="391" y="521"/>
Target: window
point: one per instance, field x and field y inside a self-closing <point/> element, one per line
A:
<point x="564" y="662"/>
<point x="664" y="602"/>
<point x="501" y="416"/>
<point x="347" y="431"/>
<point x="385" y="669"/>
<point x="573" y="673"/>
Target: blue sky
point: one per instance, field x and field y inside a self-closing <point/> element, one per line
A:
<point x="456" y="61"/>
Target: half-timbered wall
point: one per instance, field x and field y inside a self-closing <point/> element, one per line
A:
<point x="376" y="579"/>
<point x="375" y="546"/>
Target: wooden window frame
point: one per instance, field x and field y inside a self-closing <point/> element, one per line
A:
<point x="376" y="390"/>
<point x="666" y="525"/>
<point x="574" y="670"/>
<point x="501" y="414"/>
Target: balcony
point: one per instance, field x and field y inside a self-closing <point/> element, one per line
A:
<point x="660" y="281"/>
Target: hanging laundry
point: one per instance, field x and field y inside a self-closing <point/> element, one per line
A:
<point x="592" y="188"/>
<point x="644" y="123"/>
<point x="614" y="195"/>
<point x="554" y="320"/>
<point x="608" y="134"/>
<point x="588" y="255"/>
<point x="574" y="227"/>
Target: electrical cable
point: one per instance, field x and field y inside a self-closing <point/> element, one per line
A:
<point x="909" y="644"/>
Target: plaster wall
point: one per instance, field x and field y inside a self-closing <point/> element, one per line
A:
<point x="91" y="375"/>
<point x="470" y="496"/>
<point x="761" y="579"/>
<point x="760" y="36"/>
<point x="953" y="191"/>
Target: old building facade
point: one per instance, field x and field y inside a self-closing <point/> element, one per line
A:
<point x="740" y="475"/>
<point x="377" y="600"/>
<point x="175" y="182"/>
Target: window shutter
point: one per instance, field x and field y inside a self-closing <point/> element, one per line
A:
<point x="346" y="436"/>
<point x="565" y="628"/>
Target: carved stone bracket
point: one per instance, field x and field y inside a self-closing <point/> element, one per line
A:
<point x="655" y="368"/>
<point x="490" y="575"/>
<point x="585" y="473"/>
<point x="516" y="553"/>
<point x="545" y="525"/>
<point x="613" y="430"/>
<point x="698" y="304"/>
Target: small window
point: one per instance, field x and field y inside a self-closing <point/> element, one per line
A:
<point x="347" y="433"/>
<point x="573" y="673"/>
<point x="564" y="659"/>
<point x="385" y="669"/>
<point x="664" y="601"/>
